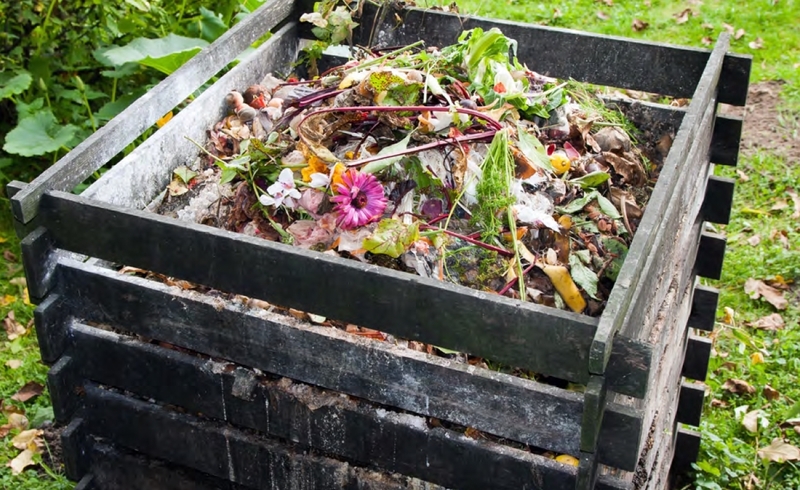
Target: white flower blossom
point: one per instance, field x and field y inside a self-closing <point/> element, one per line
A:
<point x="282" y="192"/>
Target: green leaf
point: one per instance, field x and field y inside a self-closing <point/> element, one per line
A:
<point x="142" y="5"/>
<point x="185" y="173"/>
<point x="583" y="276"/>
<point x="620" y="250"/>
<point x="591" y="180"/>
<point x="392" y="238"/>
<point x="532" y="148"/>
<point x="42" y="415"/>
<point x="607" y="207"/>
<point x="15" y="85"/>
<point x="38" y="135"/>
<point x="27" y="110"/>
<point x="577" y="204"/>
<point x="388" y="153"/>
<point x="208" y="26"/>
<point x="165" y="54"/>
<point x="111" y="109"/>
<point x="228" y="174"/>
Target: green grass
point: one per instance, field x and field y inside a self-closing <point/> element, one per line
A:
<point x="729" y="451"/>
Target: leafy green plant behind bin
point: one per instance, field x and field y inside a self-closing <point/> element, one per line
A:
<point x="52" y="98"/>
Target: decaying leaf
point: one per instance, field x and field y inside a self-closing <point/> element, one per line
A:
<point x="739" y="34"/>
<point x="14" y="329"/>
<point x="22" y="461"/>
<point x="758" y="289"/>
<point x="771" y="322"/>
<point x="738" y="387"/>
<point x="750" y="420"/>
<point x="779" y="452"/>
<point x="754" y="240"/>
<point x="795" y="200"/>
<point x="30" y="390"/>
<point x="639" y="25"/>
<point x="782" y="236"/>
<point x="13" y="364"/>
<point x="707" y="41"/>
<point x="716" y="403"/>
<point x="757" y="44"/>
<point x="602" y="15"/>
<point x="28" y="439"/>
<point x="771" y="393"/>
<point x="683" y="16"/>
<point x="15" y="421"/>
<point x="757" y="358"/>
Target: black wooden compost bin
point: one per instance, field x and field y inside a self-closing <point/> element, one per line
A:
<point x="163" y="388"/>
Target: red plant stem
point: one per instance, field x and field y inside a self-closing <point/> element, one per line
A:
<point x="510" y="284"/>
<point x="501" y="251"/>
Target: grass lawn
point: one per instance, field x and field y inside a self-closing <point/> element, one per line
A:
<point x="759" y="350"/>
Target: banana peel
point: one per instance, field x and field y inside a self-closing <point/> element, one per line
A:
<point x="566" y="287"/>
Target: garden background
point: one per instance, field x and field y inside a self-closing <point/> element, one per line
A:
<point x="67" y="67"/>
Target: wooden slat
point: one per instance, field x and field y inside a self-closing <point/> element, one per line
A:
<point x="75" y="446"/>
<point x="687" y="448"/>
<point x="726" y="140"/>
<point x="223" y="452"/>
<point x="690" y="405"/>
<point x="630" y="294"/>
<point x="376" y="371"/>
<point x="603" y="60"/>
<point x="718" y="200"/>
<point x="118" y="133"/>
<point x="704" y="308"/>
<point x="710" y="256"/>
<point x="144" y="173"/>
<point x="37" y="248"/>
<point x="312" y="417"/>
<point x="698" y="352"/>
<point x="49" y="318"/>
<point x="63" y="384"/>
<point x="542" y="339"/>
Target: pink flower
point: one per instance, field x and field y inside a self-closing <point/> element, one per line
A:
<point x="359" y="199"/>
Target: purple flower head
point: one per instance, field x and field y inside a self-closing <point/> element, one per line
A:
<point x="359" y="199"/>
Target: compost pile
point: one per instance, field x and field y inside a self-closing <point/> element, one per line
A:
<point x="456" y="163"/>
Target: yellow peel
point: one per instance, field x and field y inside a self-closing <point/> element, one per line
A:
<point x="567" y="459"/>
<point x="562" y="281"/>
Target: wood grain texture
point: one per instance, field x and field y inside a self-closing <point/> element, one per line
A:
<point x="311" y="417"/>
<point x="542" y="339"/>
<point x="710" y="256"/>
<point x="693" y="136"/>
<point x="687" y="448"/>
<point x="726" y="140"/>
<point x="96" y="150"/>
<point x="377" y="371"/>
<point x="698" y="352"/>
<point x="144" y="173"/>
<point x="690" y="405"/>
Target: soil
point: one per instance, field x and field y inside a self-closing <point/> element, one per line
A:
<point x="52" y="455"/>
<point x="766" y="126"/>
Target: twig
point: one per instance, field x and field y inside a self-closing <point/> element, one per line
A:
<point x="501" y="251"/>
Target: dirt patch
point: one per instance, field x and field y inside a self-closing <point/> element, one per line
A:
<point x="52" y="455"/>
<point x="766" y="126"/>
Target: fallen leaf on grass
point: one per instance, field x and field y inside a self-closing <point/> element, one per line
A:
<point x="757" y="44"/>
<point x="730" y="316"/>
<point x="750" y="420"/>
<point x="729" y="28"/>
<point x="22" y="461"/>
<point x="779" y="205"/>
<point x="771" y="393"/>
<point x="754" y="240"/>
<point x="708" y="26"/>
<point x="13" y="364"/>
<point x="757" y="358"/>
<point x="639" y="25"/>
<point x="15" y="421"/>
<point x="7" y="300"/>
<point x="758" y="289"/>
<point x="771" y="322"/>
<point x="779" y="452"/>
<point x="9" y="256"/>
<point x="742" y="176"/>
<point x="752" y="482"/>
<point x="707" y="41"/>
<point x="739" y="34"/>
<point x="602" y="15"/>
<point x="14" y="329"/>
<point x="715" y="403"/>
<point x="782" y="236"/>
<point x="610" y="3"/>
<point x="30" y="390"/>
<point x="28" y="439"/>
<point x="682" y="17"/>
<point x="738" y="387"/>
<point x="795" y="200"/>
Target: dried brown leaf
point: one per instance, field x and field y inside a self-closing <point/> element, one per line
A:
<point x="609" y="3"/>
<point x="771" y="322"/>
<point x="750" y="420"/>
<point x="779" y="205"/>
<point x="754" y="240"/>
<point x="602" y="15"/>
<point x="779" y="452"/>
<point x="739" y="33"/>
<point x="9" y="256"/>
<point x="683" y="16"/>
<point x="758" y="289"/>
<point x="715" y="403"/>
<point x="22" y="461"/>
<point x="13" y="364"/>
<point x="729" y="28"/>
<point x="557" y="13"/>
<point x="771" y="393"/>
<point x="708" y="26"/>
<point x="14" y="329"/>
<point x="757" y="44"/>
<point x="639" y="25"/>
<point x="28" y="439"/>
<point x="738" y="387"/>
<point x="742" y="176"/>
<point x="30" y="390"/>
<point x="707" y="41"/>
<point x="796" y="201"/>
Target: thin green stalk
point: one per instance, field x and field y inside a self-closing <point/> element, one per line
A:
<point x="45" y="22"/>
<point x="89" y="111"/>
<point x="113" y="90"/>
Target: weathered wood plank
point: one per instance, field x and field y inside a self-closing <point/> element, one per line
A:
<point x="116" y="468"/>
<point x="51" y="333"/>
<point x="38" y="262"/>
<point x="545" y="340"/>
<point x="143" y="174"/>
<point x="694" y="127"/>
<point x="698" y="352"/>
<point x="687" y="448"/>
<point x="217" y="449"/>
<point x="710" y="256"/>
<point x="718" y="200"/>
<point x="690" y="404"/>
<point x="96" y="150"/>
<point x="704" y="308"/>
<point x="603" y="60"/>
<point x="64" y="386"/>
<point x="75" y="446"/>
<point x="312" y="417"/>
<point x="377" y="371"/>
<point x="726" y="140"/>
